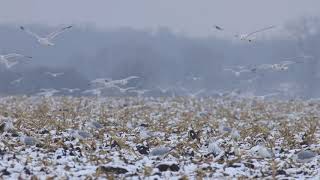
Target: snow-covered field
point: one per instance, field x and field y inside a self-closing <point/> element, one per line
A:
<point x="178" y="138"/>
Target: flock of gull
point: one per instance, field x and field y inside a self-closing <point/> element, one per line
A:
<point x="98" y="86"/>
<point x="10" y="60"/>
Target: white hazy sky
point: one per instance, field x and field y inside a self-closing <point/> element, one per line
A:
<point x="192" y="17"/>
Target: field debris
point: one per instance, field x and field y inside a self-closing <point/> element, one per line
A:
<point x="139" y="137"/>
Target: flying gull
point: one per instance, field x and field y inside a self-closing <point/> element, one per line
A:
<point x="247" y="36"/>
<point x="219" y="28"/>
<point x="70" y="90"/>
<point x="17" y="81"/>
<point x="47" y="40"/>
<point x="47" y="92"/>
<point x="139" y="92"/>
<point x="10" y="60"/>
<point x="54" y="74"/>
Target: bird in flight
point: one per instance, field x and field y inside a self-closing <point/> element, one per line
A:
<point x="71" y="90"/>
<point x="197" y="93"/>
<point x="139" y="92"/>
<point x="47" y="92"/>
<point x="109" y="83"/>
<point x="124" y="81"/>
<point x="281" y="66"/>
<point x="219" y="28"/>
<point x="164" y="89"/>
<point x="238" y="70"/>
<point x="100" y="81"/>
<point x="263" y="97"/>
<point x="97" y="92"/>
<point x="54" y="74"/>
<point x="17" y="81"/>
<point x="46" y="40"/>
<point x="124" y="90"/>
<point x="10" y="60"/>
<point x="247" y="36"/>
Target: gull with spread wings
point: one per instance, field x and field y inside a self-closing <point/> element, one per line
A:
<point x="70" y="90"/>
<point x="46" y="40"/>
<point x="247" y="36"/>
<point x="139" y="92"/>
<point x="47" y="92"/>
<point x="281" y="66"/>
<point x="97" y="91"/>
<point x="238" y="70"/>
<point x="10" y="60"/>
<point x="16" y="81"/>
<point x="54" y="74"/>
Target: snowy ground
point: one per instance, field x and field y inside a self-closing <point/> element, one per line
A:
<point x="181" y="138"/>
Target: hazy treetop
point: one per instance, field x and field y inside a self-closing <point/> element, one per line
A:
<point x="186" y="16"/>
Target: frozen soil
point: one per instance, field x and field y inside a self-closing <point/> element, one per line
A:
<point x="178" y="138"/>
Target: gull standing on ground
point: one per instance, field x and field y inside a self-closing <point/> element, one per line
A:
<point x="28" y="140"/>
<point x="94" y="125"/>
<point x="261" y="151"/>
<point x="305" y="156"/>
<point x="80" y="134"/>
<point x="11" y="60"/>
<point x="47" y="40"/>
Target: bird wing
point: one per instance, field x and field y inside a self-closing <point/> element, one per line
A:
<point x="49" y="73"/>
<point x="129" y="88"/>
<point x="10" y="64"/>
<point x="264" y="66"/>
<point x="285" y="63"/>
<point x="296" y="57"/>
<point x="30" y="32"/>
<point x="271" y="94"/>
<point x="260" y="30"/>
<point x="229" y="69"/>
<point x="219" y="28"/>
<point x="199" y="92"/>
<point x="56" y="33"/>
<point x="244" y="70"/>
<point x="130" y="77"/>
<point x="15" y="55"/>
<point x="59" y="74"/>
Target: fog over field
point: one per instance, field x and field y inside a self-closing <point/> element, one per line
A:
<point x="164" y="54"/>
<point x="161" y="58"/>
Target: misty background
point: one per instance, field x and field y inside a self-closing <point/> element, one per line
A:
<point x="162" y="57"/>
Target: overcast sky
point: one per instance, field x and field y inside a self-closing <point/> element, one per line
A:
<point x="191" y="17"/>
